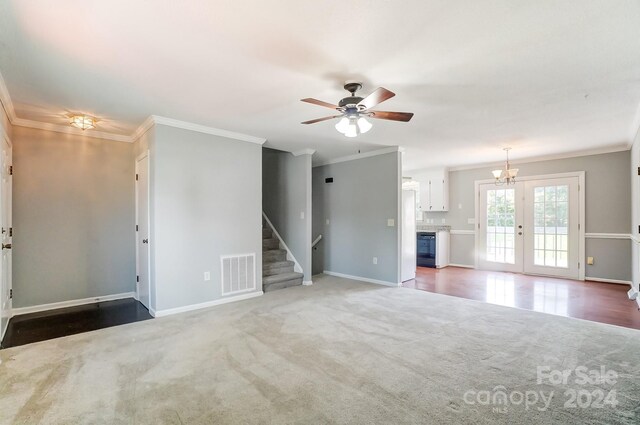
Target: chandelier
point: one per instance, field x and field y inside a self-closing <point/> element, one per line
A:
<point x="507" y="175"/>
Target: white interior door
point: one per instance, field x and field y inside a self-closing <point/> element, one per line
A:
<point x="500" y="228"/>
<point x="552" y="227"/>
<point x="409" y="261"/>
<point x="143" y="289"/>
<point x="7" y="233"/>
<point x="531" y="227"/>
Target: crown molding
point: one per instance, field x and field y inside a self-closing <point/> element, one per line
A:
<point x="574" y="154"/>
<point x="21" y="122"/>
<point x="304" y="152"/>
<point x="142" y="128"/>
<point x="207" y="130"/>
<point x="360" y="156"/>
<point x="5" y="100"/>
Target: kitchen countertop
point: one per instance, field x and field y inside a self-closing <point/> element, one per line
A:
<point x="432" y="228"/>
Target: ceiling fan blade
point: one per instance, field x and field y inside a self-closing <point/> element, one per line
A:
<point x="393" y="116"/>
<point x="319" y="103"/>
<point x="321" y="119"/>
<point x="380" y="95"/>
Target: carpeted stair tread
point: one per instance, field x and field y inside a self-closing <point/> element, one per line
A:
<point x="268" y="280"/>
<point x="277" y="264"/>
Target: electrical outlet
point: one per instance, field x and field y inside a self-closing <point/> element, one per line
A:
<point x="459" y="206"/>
<point x="327" y="222"/>
<point x="391" y="222"/>
<point x="301" y="215"/>
<point x="207" y="276"/>
<point x="590" y="261"/>
<point x="375" y="260"/>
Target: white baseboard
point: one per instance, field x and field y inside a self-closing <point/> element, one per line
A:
<point x="307" y="282"/>
<point x="464" y="266"/>
<point x="363" y="279"/>
<point x="601" y="279"/>
<point x="70" y="303"/>
<point x="170" y="311"/>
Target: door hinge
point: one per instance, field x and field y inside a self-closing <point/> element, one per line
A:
<point x="578" y="226"/>
<point x="136" y="227"/>
<point x="10" y="231"/>
<point x="137" y="278"/>
<point x="11" y="170"/>
<point x="578" y="265"/>
<point x="639" y="171"/>
<point x="136" y="177"/>
<point x="10" y="293"/>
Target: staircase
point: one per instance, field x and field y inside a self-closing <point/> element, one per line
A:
<point x="277" y="271"/>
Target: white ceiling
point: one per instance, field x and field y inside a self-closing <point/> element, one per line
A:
<point x="545" y="77"/>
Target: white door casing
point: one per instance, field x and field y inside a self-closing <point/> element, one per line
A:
<point x="143" y="289"/>
<point x="409" y="261"/>
<point x="7" y="233"/>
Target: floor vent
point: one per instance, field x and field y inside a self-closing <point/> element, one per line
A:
<point x="238" y="273"/>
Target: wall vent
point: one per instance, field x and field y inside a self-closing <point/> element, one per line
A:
<point x="238" y="273"/>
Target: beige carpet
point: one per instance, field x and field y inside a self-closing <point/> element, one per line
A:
<point x="336" y="352"/>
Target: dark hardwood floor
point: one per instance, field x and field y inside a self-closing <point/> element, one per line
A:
<point x="596" y="301"/>
<point x="34" y="327"/>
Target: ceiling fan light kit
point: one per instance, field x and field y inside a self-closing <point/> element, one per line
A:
<point x="355" y="109"/>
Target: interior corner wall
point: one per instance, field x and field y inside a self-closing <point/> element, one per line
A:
<point x="286" y="201"/>
<point x="206" y="201"/>
<point x="352" y="212"/>
<point x="73" y="215"/>
<point x="607" y="210"/>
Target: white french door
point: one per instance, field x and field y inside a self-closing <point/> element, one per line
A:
<point x="531" y="227"/>
<point x="500" y="228"/>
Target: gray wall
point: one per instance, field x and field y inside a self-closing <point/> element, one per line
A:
<point x="364" y="194"/>
<point x="206" y="202"/>
<point x="73" y="217"/>
<point x="607" y="209"/>
<point x="286" y="193"/>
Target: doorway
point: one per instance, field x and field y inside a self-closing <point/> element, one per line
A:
<point x="534" y="226"/>
<point x="6" y="292"/>
<point x="143" y="289"/>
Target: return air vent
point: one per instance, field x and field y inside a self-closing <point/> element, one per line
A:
<point x="238" y="273"/>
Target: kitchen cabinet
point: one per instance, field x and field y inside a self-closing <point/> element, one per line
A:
<point x="434" y="189"/>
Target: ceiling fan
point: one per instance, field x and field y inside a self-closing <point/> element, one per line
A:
<point x="353" y="110"/>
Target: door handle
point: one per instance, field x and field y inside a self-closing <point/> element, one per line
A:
<point x="145" y="241"/>
<point x="6" y="246"/>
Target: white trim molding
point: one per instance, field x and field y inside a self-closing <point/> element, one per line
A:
<point x="207" y="130"/>
<point x="359" y="156"/>
<point x="68" y="129"/>
<point x="602" y="279"/>
<point x="362" y="279"/>
<point x="184" y="309"/>
<point x="462" y="232"/>
<point x="5" y="100"/>
<point x="608" y="236"/>
<point x="304" y="152"/>
<point x="307" y="282"/>
<point x="297" y="267"/>
<point x="464" y="266"/>
<point x="71" y="303"/>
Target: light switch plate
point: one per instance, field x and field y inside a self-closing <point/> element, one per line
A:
<point x="207" y="276"/>
<point x="301" y="215"/>
<point x="327" y="222"/>
<point x="375" y="260"/>
<point x="590" y="261"/>
<point x="391" y="222"/>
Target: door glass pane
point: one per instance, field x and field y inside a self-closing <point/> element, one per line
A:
<point x="500" y="225"/>
<point x="551" y="226"/>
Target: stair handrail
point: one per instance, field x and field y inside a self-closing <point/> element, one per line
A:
<point x="316" y="240"/>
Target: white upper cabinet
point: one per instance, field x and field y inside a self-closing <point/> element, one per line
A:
<point x="434" y="189"/>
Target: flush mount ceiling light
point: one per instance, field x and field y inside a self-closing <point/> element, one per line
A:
<point x="506" y="175"/>
<point x="83" y="122"/>
<point x="353" y="110"/>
